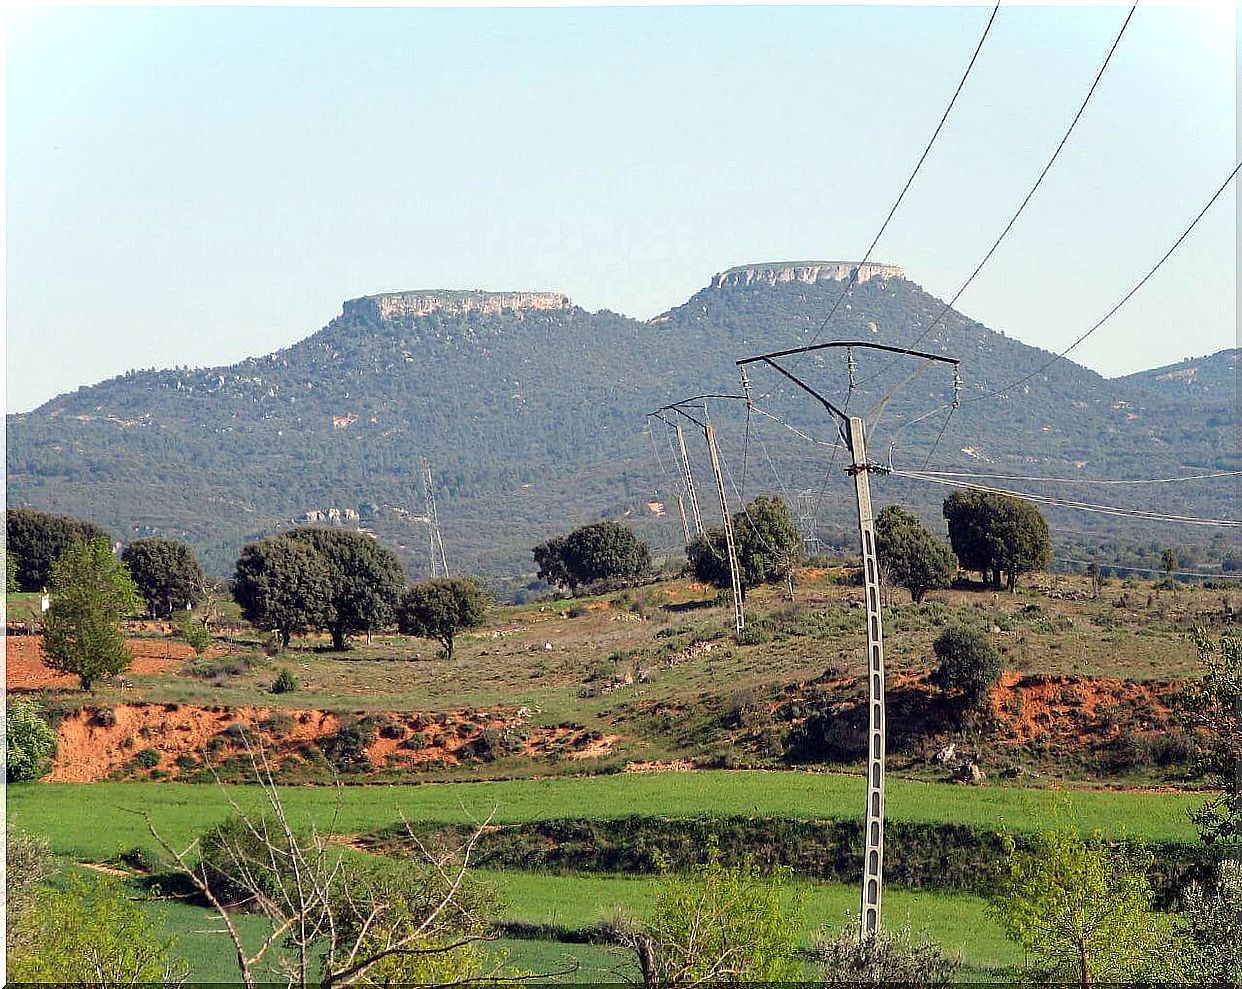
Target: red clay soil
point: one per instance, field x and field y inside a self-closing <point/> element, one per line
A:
<point x="92" y="748"/>
<point x="1081" y="710"/>
<point x="25" y="669"/>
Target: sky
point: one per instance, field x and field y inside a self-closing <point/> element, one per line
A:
<point x="191" y="186"/>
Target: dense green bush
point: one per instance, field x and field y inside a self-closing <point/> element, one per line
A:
<point x="969" y="665"/>
<point x="28" y="864"/>
<point x="30" y="742"/>
<point x="285" y="683"/>
<point x="278" y="724"/>
<point x="718" y="923"/>
<point x="234" y="858"/>
<point x="890" y="956"/>
<point x="147" y="758"/>
<point x="92" y="932"/>
<point x="194" y="633"/>
<point x="346" y="749"/>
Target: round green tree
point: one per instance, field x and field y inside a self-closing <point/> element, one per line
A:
<point x="997" y="535"/>
<point x="36" y="540"/>
<point x="91" y="592"/>
<point x="969" y="665"/>
<point x="767" y="542"/>
<point x="166" y="572"/>
<point x="916" y="559"/>
<point x="282" y="585"/>
<point x="439" y="609"/>
<point x="605" y="551"/>
<point x="365" y="580"/>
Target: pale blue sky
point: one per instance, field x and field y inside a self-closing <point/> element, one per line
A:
<point x="193" y="186"/>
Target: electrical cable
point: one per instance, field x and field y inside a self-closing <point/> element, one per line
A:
<point x="1126" y="566"/>
<point x="1066" y="503"/>
<point x="1111" y="312"/>
<point x="1124" y="299"/>
<point x="918" y="165"/>
<point x="1083" y="480"/>
<point x="1030" y="194"/>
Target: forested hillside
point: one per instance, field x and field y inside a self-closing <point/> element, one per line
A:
<point x="1210" y="380"/>
<point x="533" y="419"/>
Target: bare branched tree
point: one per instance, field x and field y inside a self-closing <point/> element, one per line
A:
<point x="335" y="916"/>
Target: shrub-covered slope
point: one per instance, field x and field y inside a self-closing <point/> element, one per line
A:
<point x="533" y="421"/>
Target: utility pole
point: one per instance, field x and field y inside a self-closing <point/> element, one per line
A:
<point x="681" y="501"/>
<point x="853" y="433"/>
<point x="804" y="518"/>
<point x="709" y="433"/>
<point x="681" y="508"/>
<point x="439" y="564"/>
<point x="739" y="616"/>
<point x="873" y="835"/>
<point x="685" y="468"/>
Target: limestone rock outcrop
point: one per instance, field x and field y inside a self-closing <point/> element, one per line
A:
<point x="403" y="305"/>
<point x="808" y="272"/>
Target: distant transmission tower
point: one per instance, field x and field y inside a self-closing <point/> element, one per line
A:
<point x="439" y="564"/>
<point x="804" y="518"/>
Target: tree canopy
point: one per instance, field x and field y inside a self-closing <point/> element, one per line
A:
<point x="997" y="534"/>
<point x="969" y="664"/>
<point x="439" y="609"/>
<point x="94" y="932"/>
<point x="36" y="540"/>
<point x="166" y="572"/>
<point x="283" y="585"/>
<point x="91" y="592"/>
<point x="1079" y="906"/>
<point x="600" y="551"/>
<point x="916" y="559"/>
<point x="365" y="580"/>
<point x="767" y="541"/>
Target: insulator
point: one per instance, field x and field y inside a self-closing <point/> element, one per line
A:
<point x="957" y="390"/>
<point x="852" y="366"/>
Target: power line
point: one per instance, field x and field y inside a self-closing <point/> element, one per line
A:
<point x="1124" y="299"/>
<point x="1083" y="480"/>
<point x="1031" y="192"/>
<point x="1067" y="503"/>
<point x="1108" y="315"/>
<point x="904" y="189"/>
<point x="1126" y="566"/>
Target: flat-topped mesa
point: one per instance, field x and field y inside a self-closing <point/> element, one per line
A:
<point x="402" y="305"/>
<point x="808" y="272"/>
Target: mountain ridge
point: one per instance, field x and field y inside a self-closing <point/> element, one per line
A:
<point x="533" y="418"/>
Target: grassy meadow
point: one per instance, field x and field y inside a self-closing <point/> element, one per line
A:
<point x="653" y="668"/>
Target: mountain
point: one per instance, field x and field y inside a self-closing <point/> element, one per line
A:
<point x="532" y="413"/>
<point x="1211" y="380"/>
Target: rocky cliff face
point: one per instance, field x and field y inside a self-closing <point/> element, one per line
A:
<point x="808" y="272"/>
<point x="402" y="305"/>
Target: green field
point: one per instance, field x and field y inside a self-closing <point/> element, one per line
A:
<point x="579" y="901"/>
<point x="22" y="606"/>
<point x="93" y="822"/>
